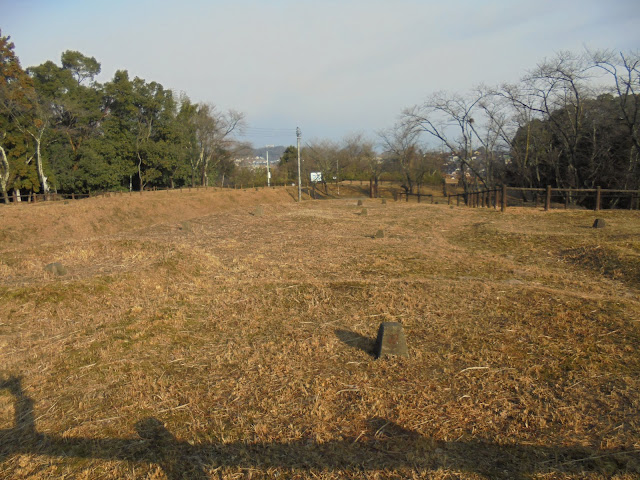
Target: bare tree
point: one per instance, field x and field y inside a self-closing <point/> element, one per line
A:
<point x="400" y="144"/>
<point x="624" y="70"/>
<point x="359" y="153"/>
<point x="214" y="131"/>
<point x="441" y="114"/>
<point x="322" y="156"/>
<point x="556" y="91"/>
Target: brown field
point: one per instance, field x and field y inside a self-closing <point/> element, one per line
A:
<point x="194" y="338"/>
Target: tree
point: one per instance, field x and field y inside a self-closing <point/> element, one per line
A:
<point x="77" y="111"/>
<point x="401" y="146"/>
<point x="288" y="164"/>
<point x="358" y="153"/>
<point x="80" y="66"/>
<point x="321" y="157"/>
<point x="624" y="70"/>
<point x="17" y="121"/>
<point x="450" y="119"/>
<point x="214" y="138"/>
<point x="555" y="91"/>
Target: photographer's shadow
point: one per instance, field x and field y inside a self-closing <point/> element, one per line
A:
<point x="384" y="446"/>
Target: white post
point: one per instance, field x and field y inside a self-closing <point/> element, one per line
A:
<point x="338" y="174"/>
<point x="268" y="170"/>
<point x="299" y="135"/>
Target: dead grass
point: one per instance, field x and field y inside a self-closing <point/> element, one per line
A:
<point x="238" y="346"/>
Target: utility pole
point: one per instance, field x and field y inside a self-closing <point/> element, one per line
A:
<point x="299" y="136"/>
<point x="268" y="171"/>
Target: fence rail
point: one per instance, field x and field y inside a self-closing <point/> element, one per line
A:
<point x="545" y="196"/>
<point x="496" y="197"/>
<point x="54" y="197"/>
<point x="419" y="196"/>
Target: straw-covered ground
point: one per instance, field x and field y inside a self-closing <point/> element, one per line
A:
<point x="195" y="335"/>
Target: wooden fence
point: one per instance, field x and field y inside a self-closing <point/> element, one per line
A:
<point x="504" y="196"/>
<point x="419" y="196"/>
<point x="53" y="197"/>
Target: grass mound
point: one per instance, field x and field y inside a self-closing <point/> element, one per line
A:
<point x="618" y="263"/>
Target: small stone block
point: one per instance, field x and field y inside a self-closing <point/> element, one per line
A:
<point x="599" y="223"/>
<point x="384" y="201"/>
<point x="359" y="203"/>
<point x="380" y="234"/>
<point x="259" y="211"/>
<point x="391" y="340"/>
<point x="364" y="212"/>
<point x="56" y="268"/>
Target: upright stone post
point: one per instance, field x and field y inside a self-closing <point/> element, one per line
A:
<point x="391" y="340"/>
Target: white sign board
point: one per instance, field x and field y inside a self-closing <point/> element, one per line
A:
<point x="316" y="177"/>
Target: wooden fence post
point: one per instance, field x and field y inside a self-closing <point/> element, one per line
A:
<point x="448" y="199"/>
<point x="418" y="197"/>
<point x="458" y="199"/>
<point x="598" y="198"/>
<point x="503" y="205"/>
<point x="547" y="201"/>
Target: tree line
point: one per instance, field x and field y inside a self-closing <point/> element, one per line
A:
<point x="573" y="121"/>
<point x="62" y="131"/>
<point x="570" y="122"/>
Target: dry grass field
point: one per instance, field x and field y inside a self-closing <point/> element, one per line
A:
<point x="194" y="336"/>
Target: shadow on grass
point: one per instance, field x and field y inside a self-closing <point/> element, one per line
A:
<point x="386" y="446"/>
<point x="355" y="340"/>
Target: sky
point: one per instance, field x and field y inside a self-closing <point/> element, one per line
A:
<point x="332" y="68"/>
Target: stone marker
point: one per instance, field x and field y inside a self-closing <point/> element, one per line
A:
<point x="185" y="226"/>
<point x="359" y="203"/>
<point x="56" y="268"/>
<point x="384" y="201"/>
<point x="391" y="340"/>
<point x="259" y="211"/>
<point x="380" y="234"/>
<point x="599" y="223"/>
<point x="364" y="212"/>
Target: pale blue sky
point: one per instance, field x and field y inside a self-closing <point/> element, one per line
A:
<point x="331" y="67"/>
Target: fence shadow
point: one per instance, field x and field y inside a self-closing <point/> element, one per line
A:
<point x="386" y="446"/>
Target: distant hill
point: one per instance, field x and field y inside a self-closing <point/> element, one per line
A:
<point x="274" y="152"/>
